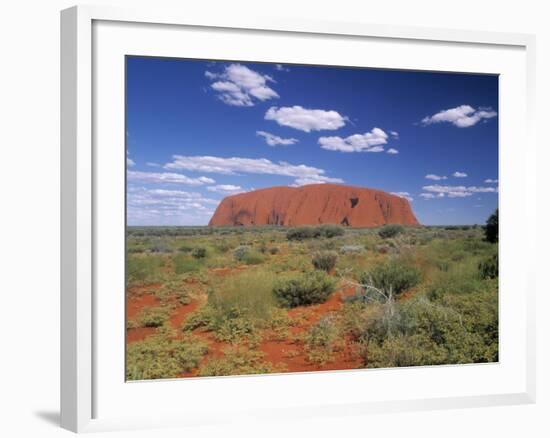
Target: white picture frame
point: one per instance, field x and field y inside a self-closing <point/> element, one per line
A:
<point x="81" y="251"/>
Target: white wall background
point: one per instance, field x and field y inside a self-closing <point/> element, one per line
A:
<point x="29" y="216"/>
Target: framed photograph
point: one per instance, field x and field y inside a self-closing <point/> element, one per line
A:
<point x="266" y="207"/>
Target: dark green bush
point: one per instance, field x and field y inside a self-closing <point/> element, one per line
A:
<point x="329" y="230"/>
<point x="324" y="260"/>
<point x="304" y="289"/>
<point x="391" y="275"/>
<point x="199" y="253"/>
<point x="390" y="230"/>
<point x="301" y="233"/>
<point x="488" y="268"/>
<point x="308" y="232"/>
<point x="491" y="228"/>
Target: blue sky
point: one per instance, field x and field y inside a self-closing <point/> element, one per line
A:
<point x="198" y="131"/>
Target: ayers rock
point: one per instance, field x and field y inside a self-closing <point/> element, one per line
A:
<point x="313" y="205"/>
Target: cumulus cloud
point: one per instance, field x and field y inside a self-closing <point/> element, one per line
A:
<point x="405" y="195"/>
<point x="281" y="67"/>
<point x="462" y="116"/>
<point x="129" y="161"/>
<point x="435" y="177"/>
<point x="238" y="85"/>
<point x="394" y="135"/>
<point x="392" y="151"/>
<point x="168" y="207"/>
<point x="167" y="178"/>
<point x="455" y="191"/>
<point x="226" y="189"/>
<point x="236" y="165"/>
<point x="274" y="140"/>
<point x="305" y="119"/>
<point x="491" y="181"/>
<point x="458" y="174"/>
<point x="368" y="142"/>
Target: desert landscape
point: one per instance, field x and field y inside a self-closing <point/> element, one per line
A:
<point x="235" y="299"/>
<point x="288" y="218"/>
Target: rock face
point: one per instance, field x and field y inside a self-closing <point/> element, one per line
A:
<point x="313" y="205"/>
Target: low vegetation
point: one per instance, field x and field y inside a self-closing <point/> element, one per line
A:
<point x="252" y="300"/>
<point x="324" y="260"/>
<point x="304" y="289"/>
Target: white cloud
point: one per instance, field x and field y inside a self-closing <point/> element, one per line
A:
<point x="234" y="165"/>
<point x="129" y="161"/>
<point x="304" y="119"/>
<point x="226" y="189"/>
<point x="168" y="207"/>
<point x="167" y="178"/>
<point x="458" y="174"/>
<point x="315" y="179"/>
<point x="428" y="195"/>
<point x="456" y="191"/>
<point x="405" y="195"/>
<point x="151" y="164"/>
<point x="368" y="142"/>
<point x="462" y="116"/>
<point x="435" y="177"/>
<point x="491" y="181"/>
<point x="240" y="86"/>
<point x="392" y="151"/>
<point x="274" y="140"/>
<point x="281" y="67"/>
<point x="394" y="135"/>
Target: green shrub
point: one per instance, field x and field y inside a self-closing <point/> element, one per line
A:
<point x="459" y="278"/>
<point x="488" y="268"/>
<point x="330" y="230"/>
<point x="491" y="228"/>
<point x="160" y="246"/>
<point x="237" y="307"/>
<point x="159" y="357"/>
<point x="390" y="230"/>
<point x="322" y="340"/>
<point x="173" y="291"/>
<point x="240" y="252"/>
<point x="199" y="253"/>
<point x="142" y="269"/>
<point x="252" y="258"/>
<point x="391" y="275"/>
<point x="183" y="264"/>
<point x="304" y="289"/>
<point x="185" y="248"/>
<point x="324" y="260"/>
<point x="153" y="316"/>
<point x="309" y="232"/>
<point x="301" y="233"/>
<point x="238" y="361"/>
<point x="250" y="292"/>
<point x="454" y="329"/>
